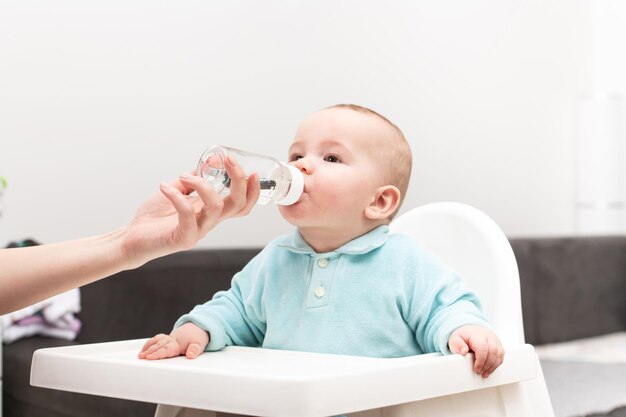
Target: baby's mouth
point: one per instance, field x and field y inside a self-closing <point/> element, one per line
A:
<point x="304" y="193"/>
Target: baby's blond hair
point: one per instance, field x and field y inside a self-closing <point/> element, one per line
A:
<point x="397" y="159"/>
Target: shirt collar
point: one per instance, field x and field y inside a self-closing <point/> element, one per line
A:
<point x="371" y="240"/>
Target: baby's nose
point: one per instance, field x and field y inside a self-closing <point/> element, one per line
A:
<point x="304" y="165"/>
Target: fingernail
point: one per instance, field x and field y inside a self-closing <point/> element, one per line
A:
<point x="164" y="184"/>
<point x="185" y="177"/>
<point x="232" y="160"/>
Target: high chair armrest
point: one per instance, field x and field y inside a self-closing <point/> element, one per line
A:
<point x="266" y="382"/>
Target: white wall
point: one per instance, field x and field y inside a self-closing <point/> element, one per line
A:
<point x="100" y="101"/>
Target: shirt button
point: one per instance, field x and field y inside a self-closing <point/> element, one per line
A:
<point x="322" y="262"/>
<point x="319" y="292"/>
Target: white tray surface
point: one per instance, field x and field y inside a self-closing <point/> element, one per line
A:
<point x="267" y="382"/>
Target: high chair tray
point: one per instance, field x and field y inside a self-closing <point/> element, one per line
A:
<point x="266" y="382"/>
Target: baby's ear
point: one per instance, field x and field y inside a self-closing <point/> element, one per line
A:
<point x="385" y="203"/>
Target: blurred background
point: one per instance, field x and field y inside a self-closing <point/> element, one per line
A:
<point x="513" y="107"/>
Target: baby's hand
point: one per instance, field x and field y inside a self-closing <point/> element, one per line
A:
<point x="189" y="340"/>
<point x="485" y="344"/>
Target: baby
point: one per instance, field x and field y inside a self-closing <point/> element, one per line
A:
<point x="341" y="283"/>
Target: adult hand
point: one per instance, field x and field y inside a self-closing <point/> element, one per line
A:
<point x="173" y="220"/>
<point x="167" y="222"/>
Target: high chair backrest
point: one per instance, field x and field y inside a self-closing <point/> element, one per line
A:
<point x="471" y="243"/>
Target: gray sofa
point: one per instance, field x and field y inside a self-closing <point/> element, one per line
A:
<point x="571" y="288"/>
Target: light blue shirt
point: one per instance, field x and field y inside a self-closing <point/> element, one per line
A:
<point x="379" y="295"/>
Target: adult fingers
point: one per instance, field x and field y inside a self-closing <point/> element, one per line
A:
<point x="236" y="200"/>
<point x="252" y="194"/>
<point x="210" y="207"/>
<point x="208" y="196"/>
<point x="181" y="186"/>
<point x="184" y="207"/>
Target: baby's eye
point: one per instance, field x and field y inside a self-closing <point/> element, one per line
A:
<point x="295" y="157"/>
<point x="332" y="158"/>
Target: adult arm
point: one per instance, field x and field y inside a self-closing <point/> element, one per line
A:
<point x="168" y="222"/>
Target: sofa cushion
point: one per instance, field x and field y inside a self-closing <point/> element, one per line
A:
<point x="572" y="287"/>
<point x="149" y="300"/>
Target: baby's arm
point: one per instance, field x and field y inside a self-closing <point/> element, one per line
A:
<point x="485" y="344"/>
<point x="188" y="339"/>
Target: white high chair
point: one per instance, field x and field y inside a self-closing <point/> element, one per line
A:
<point x="470" y="242"/>
<point x="264" y="382"/>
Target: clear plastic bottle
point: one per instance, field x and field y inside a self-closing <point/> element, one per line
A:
<point x="280" y="182"/>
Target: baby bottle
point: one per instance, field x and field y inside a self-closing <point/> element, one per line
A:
<point x="280" y="182"/>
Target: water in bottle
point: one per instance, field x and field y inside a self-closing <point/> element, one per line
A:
<point x="280" y="182"/>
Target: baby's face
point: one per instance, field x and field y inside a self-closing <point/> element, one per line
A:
<point x="335" y="150"/>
